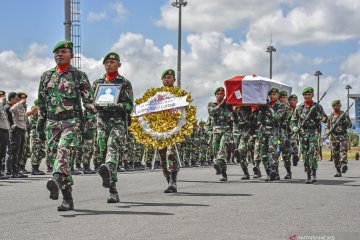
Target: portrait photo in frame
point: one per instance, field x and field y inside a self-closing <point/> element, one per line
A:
<point x="107" y="94"/>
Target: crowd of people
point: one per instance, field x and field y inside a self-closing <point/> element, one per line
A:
<point x="70" y="129"/>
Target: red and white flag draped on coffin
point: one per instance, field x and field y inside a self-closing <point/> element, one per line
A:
<point x="251" y="89"/>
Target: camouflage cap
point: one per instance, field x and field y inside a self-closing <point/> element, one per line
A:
<point x="21" y="95"/>
<point x="219" y="89"/>
<point x="36" y="102"/>
<point x="273" y="90"/>
<point x="308" y="90"/>
<point x="336" y="102"/>
<point x="168" y="72"/>
<point x="283" y="93"/>
<point x="63" y="44"/>
<point x="2" y="92"/>
<point x="111" y="55"/>
<point x="293" y="96"/>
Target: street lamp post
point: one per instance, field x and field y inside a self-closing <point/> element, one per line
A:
<point x="179" y="4"/>
<point x="271" y="49"/>
<point x="318" y="73"/>
<point x="348" y="87"/>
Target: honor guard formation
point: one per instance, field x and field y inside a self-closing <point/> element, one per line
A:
<point x="74" y="124"/>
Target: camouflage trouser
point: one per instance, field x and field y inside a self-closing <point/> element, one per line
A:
<point x="339" y="149"/>
<point x="87" y="152"/>
<point x="96" y="159"/>
<point x="210" y="151"/>
<point x="219" y="143"/>
<point x="269" y="149"/>
<point x="285" y="148"/>
<point x="243" y="149"/>
<point x="202" y="152"/>
<point x="168" y="160"/>
<point x="37" y="148"/>
<point x="63" y="139"/>
<point x="111" y="140"/>
<point x="294" y="150"/>
<point x="257" y="156"/>
<point x="27" y="153"/>
<point x="309" y="150"/>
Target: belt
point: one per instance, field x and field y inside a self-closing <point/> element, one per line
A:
<point x="62" y="116"/>
<point x="108" y="114"/>
<point x="16" y="128"/>
<point x="4" y="130"/>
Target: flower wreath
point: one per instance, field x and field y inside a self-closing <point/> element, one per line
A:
<point x="163" y="128"/>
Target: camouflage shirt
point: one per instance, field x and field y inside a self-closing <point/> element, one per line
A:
<point x="221" y="117"/>
<point x="341" y="127"/>
<point x="243" y="119"/>
<point x="62" y="93"/>
<point x="270" y="118"/>
<point x="125" y="98"/>
<point x="312" y="123"/>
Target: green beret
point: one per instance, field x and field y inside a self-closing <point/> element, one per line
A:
<point x="168" y="72"/>
<point x="293" y="96"/>
<point x="111" y="55"/>
<point x="21" y="95"/>
<point x="63" y="44"/>
<point x="283" y="93"/>
<point x="36" y="102"/>
<point x="336" y="102"/>
<point x="273" y="90"/>
<point x="219" y="89"/>
<point x="308" y="90"/>
<point x="2" y="92"/>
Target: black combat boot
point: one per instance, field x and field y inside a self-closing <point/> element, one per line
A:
<point x="49" y="168"/>
<point x="172" y="183"/>
<point x="224" y="175"/>
<point x="67" y="203"/>
<point x="272" y="173"/>
<point x="36" y="171"/>
<point x="338" y="172"/>
<point x="54" y="185"/>
<point x="308" y="180"/>
<point x="257" y="172"/>
<point x="217" y="168"/>
<point x="105" y="172"/>
<point x="23" y="170"/>
<point x="246" y="174"/>
<point x="88" y="170"/>
<point x="344" y="168"/>
<point x="114" y="196"/>
<point x="288" y="174"/>
<point x="314" y="175"/>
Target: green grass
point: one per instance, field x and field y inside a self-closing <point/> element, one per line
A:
<point x="351" y="153"/>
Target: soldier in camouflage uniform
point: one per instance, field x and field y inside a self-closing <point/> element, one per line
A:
<point x="209" y="148"/>
<point x="168" y="158"/>
<point x="202" y="141"/>
<point x="87" y="151"/>
<point x="293" y="100"/>
<point x="37" y="147"/>
<point x="285" y="144"/>
<point x="269" y="119"/>
<point x="112" y="122"/>
<point x="61" y="91"/>
<point x="27" y="152"/>
<point x="337" y="124"/>
<point x="221" y="114"/>
<point x="305" y="121"/>
<point x="243" y="119"/>
<point x="96" y="159"/>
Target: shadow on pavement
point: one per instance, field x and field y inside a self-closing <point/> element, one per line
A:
<point x="143" y="204"/>
<point x="319" y="182"/>
<point x="85" y="212"/>
<point x="212" y="194"/>
<point x="198" y="181"/>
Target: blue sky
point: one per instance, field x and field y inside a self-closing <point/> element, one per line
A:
<point x="221" y="39"/>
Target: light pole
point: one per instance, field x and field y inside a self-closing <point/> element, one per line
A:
<point x="179" y="4"/>
<point x="348" y="87"/>
<point x="271" y="49"/>
<point x="318" y="73"/>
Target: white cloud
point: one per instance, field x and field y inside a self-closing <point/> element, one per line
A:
<point x="96" y="16"/>
<point x="120" y="11"/>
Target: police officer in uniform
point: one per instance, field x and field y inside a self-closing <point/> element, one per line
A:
<point x="4" y="131"/>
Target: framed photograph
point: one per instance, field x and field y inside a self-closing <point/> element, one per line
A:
<point x="106" y="94"/>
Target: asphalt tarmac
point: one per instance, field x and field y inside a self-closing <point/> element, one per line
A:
<point x="203" y="208"/>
